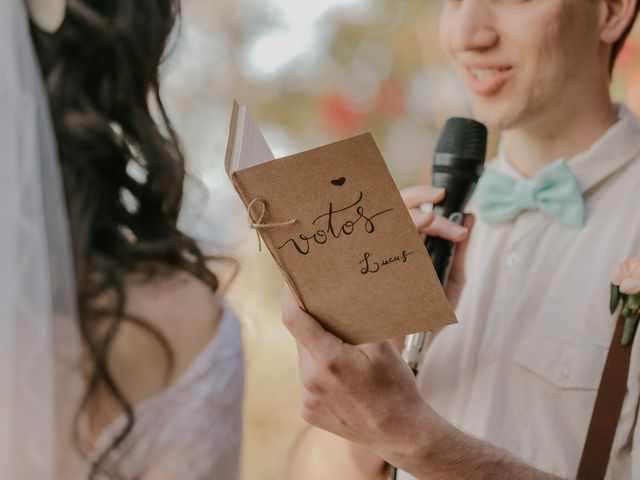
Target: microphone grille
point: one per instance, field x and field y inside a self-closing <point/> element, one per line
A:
<point x="465" y="138"/>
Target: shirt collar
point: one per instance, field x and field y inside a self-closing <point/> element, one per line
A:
<point x="610" y="153"/>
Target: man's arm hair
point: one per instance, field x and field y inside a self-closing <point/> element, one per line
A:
<point x="456" y="455"/>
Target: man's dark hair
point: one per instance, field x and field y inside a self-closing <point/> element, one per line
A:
<point x="617" y="47"/>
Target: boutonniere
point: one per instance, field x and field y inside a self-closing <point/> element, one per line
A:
<point x="625" y="290"/>
<point x="48" y="15"/>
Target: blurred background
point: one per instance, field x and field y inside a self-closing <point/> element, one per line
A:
<point x="311" y="73"/>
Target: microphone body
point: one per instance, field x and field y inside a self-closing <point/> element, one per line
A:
<point x="458" y="163"/>
<point x="459" y="177"/>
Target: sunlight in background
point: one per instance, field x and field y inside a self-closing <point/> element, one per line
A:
<point x="296" y="32"/>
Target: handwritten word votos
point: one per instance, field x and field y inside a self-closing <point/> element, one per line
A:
<point x="334" y="225"/>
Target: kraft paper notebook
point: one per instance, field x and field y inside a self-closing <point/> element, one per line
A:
<point x="336" y="225"/>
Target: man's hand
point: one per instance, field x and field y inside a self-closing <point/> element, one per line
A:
<point x="431" y="225"/>
<point x="366" y="393"/>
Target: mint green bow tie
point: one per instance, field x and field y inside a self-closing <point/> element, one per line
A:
<point x="555" y="191"/>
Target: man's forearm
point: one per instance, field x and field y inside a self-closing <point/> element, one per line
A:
<point x="368" y="395"/>
<point x="448" y="453"/>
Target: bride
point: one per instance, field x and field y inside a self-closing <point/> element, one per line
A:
<point x="118" y="356"/>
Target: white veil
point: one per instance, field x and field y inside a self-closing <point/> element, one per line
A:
<point x="40" y="380"/>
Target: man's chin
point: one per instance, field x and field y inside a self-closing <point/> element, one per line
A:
<point x="494" y="115"/>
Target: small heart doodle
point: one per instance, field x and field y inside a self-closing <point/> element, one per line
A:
<point x="338" y="182"/>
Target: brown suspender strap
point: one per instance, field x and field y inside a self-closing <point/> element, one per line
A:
<point x="606" y="411"/>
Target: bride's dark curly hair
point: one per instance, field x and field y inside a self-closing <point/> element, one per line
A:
<point x="122" y="166"/>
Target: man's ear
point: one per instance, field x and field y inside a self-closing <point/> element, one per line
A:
<point x="615" y="17"/>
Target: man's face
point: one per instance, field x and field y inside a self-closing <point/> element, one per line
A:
<point x="524" y="62"/>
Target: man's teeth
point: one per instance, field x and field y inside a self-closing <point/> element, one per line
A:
<point x="486" y="74"/>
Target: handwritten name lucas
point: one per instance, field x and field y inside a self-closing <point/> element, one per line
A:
<point x="372" y="266"/>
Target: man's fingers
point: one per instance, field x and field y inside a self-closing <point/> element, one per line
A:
<point x="384" y="348"/>
<point x="421" y="219"/>
<point x="398" y="343"/>
<point x="311" y="376"/>
<point x="413" y="197"/>
<point x="314" y="411"/>
<point x="461" y="248"/>
<point x="445" y="228"/>
<point x="321" y="345"/>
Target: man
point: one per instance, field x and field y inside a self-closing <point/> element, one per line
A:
<point x="507" y="393"/>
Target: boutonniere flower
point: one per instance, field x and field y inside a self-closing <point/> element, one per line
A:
<point x="625" y="290"/>
<point x="48" y="15"/>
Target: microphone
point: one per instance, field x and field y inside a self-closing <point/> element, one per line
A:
<point x="458" y="162"/>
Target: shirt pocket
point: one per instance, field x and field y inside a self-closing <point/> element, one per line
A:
<point x="554" y="390"/>
<point x="563" y="364"/>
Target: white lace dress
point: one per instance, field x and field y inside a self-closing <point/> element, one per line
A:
<point x="193" y="429"/>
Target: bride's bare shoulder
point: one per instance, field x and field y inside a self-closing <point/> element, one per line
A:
<point x="177" y="303"/>
<point x="183" y="310"/>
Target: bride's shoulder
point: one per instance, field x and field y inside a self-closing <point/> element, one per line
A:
<point x="174" y="301"/>
<point x="170" y="320"/>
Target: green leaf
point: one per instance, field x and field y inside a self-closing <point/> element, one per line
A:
<point x="627" y="309"/>
<point x="633" y="301"/>
<point x="614" y="300"/>
<point x="630" y="327"/>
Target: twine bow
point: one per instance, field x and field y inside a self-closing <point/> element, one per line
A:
<point x="257" y="225"/>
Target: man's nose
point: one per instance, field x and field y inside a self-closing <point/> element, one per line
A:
<point x="475" y="26"/>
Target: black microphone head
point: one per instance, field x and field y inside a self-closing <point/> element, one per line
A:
<point x="464" y="138"/>
<point x="458" y="162"/>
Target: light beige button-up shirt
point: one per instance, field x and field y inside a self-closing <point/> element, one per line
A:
<point x="522" y="368"/>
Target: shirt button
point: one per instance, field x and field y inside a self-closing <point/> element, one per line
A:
<point x="513" y="260"/>
<point x="563" y="373"/>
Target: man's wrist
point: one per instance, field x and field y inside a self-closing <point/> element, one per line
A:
<point x="369" y="463"/>
<point x="415" y="441"/>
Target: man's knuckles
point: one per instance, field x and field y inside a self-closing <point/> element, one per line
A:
<point x="324" y="374"/>
<point x="310" y="400"/>
<point x="331" y="365"/>
<point x="314" y="386"/>
<point x="289" y="318"/>
<point x="309" y="415"/>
